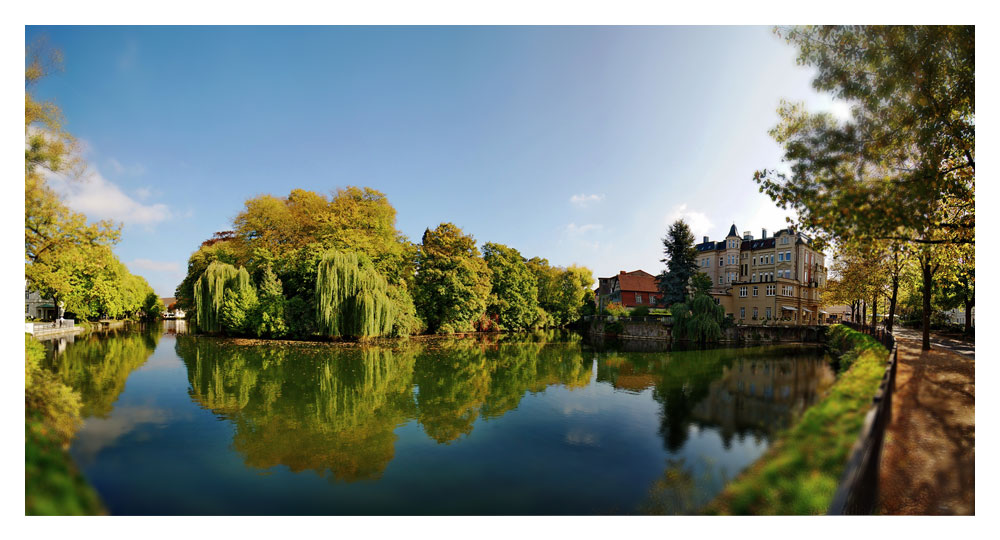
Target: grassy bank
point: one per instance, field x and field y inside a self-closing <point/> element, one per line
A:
<point x="799" y="474"/>
<point x="52" y="484"/>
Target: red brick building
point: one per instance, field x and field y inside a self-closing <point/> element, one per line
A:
<point x="635" y="288"/>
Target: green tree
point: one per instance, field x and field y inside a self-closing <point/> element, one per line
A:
<point x="682" y="263"/>
<point x="903" y="167"/>
<point x="210" y="293"/>
<point x="698" y="320"/>
<point x="513" y="301"/>
<point x="352" y="298"/>
<point x="452" y="281"/>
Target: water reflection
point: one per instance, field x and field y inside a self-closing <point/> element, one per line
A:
<point x="531" y="423"/>
<point x="98" y="364"/>
<point x="310" y="408"/>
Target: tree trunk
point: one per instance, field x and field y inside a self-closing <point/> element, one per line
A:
<point x="864" y="312"/>
<point x="928" y="282"/>
<point x="892" y="304"/>
<point x="874" y="310"/>
<point x="968" y="316"/>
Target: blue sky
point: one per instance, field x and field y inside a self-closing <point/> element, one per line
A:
<point x="577" y="144"/>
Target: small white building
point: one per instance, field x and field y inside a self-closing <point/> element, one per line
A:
<point x="38" y="308"/>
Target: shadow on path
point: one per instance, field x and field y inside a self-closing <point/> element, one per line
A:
<point x="929" y="458"/>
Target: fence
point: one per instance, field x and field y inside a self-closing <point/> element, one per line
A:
<point x="857" y="493"/>
<point x="41" y="327"/>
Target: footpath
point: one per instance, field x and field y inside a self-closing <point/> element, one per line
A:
<point x="929" y="456"/>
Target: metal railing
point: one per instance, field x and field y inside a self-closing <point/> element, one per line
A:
<point x="857" y="493"/>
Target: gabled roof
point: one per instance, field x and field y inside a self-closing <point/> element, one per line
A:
<point x="637" y="281"/>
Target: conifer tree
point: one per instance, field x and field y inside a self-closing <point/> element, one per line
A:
<point x="682" y="264"/>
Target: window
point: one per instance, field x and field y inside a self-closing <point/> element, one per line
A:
<point x="720" y="280"/>
<point x="780" y="257"/>
<point x="720" y="261"/>
<point x="743" y="292"/>
<point x="743" y="313"/>
<point x="755" y="290"/>
<point x="772" y="258"/>
<point x="755" y="314"/>
<point x="786" y="290"/>
<point x="770" y="290"/>
<point x="788" y="255"/>
<point x="767" y="312"/>
<point x="753" y="277"/>
<point x="638" y="298"/>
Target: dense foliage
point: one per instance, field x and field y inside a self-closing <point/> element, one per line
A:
<point x="513" y="301"/>
<point x="337" y="267"/>
<point x="902" y="168"/>
<point x="453" y="281"/>
<point x="699" y="319"/>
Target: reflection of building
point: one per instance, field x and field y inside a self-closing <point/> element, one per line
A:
<point x="36" y="307"/>
<point x="762" y="395"/>
<point x="781" y="277"/>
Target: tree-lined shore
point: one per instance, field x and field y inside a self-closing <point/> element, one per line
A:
<point x="309" y="266"/>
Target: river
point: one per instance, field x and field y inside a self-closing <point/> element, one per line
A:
<point x="540" y="423"/>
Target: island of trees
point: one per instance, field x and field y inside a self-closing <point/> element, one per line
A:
<point x="307" y="265"/>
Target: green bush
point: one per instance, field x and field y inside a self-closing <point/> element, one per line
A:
<point x="640" y="311"/>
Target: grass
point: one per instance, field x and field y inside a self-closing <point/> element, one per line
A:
<point x="799" y="474"/>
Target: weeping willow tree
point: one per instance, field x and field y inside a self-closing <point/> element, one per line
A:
<point x="699" y="319"/>
<point x="352" y="298"/>
<point x="209" y="294"/>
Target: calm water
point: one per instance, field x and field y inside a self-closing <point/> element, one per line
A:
<point x="530" y="424"/>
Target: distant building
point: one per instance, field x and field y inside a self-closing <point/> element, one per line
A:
<point x="38" y="308"/>
<point x="171" y="311"/>
<point x="631" y="289"/>
<point x="781" y="277"/>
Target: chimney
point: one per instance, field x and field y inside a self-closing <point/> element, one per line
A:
<point x="763" y="234"/>
<point x="705" y="241"/>
<point x="746" y="236"/>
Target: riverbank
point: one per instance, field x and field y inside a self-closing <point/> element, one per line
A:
<point x="52" y="483"/>
<point x="799" y="475"/>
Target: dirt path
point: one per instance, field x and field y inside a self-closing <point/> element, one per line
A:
<point x="929" y="458"/>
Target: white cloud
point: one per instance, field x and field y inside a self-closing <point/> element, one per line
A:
<point x="155" y="266"/>
<point x="99" y="198"/>
<point x="583" y="200"/>
<point x="698" y="222"/>
<point x="576" y="230"/>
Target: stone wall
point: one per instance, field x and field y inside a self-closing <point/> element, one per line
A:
<point x="660" y="331"/>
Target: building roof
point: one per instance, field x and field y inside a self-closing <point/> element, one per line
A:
<point x="732" y="231"/>
<point x="757" y="244"/>
<point x="636" y="281"/>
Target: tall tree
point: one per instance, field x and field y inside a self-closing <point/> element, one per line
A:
<point x="513" y="299"/>
<point x="682" y="263"/>
<point x="903" y="167"/>
<point x="452" y="281"/>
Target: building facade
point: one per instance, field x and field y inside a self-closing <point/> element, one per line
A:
<point x="781" y="277"/>
<point x="630" y="289"/>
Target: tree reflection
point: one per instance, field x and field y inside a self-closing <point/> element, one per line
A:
<point x="334" y="411"/>
<point x="97" y="365"/>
